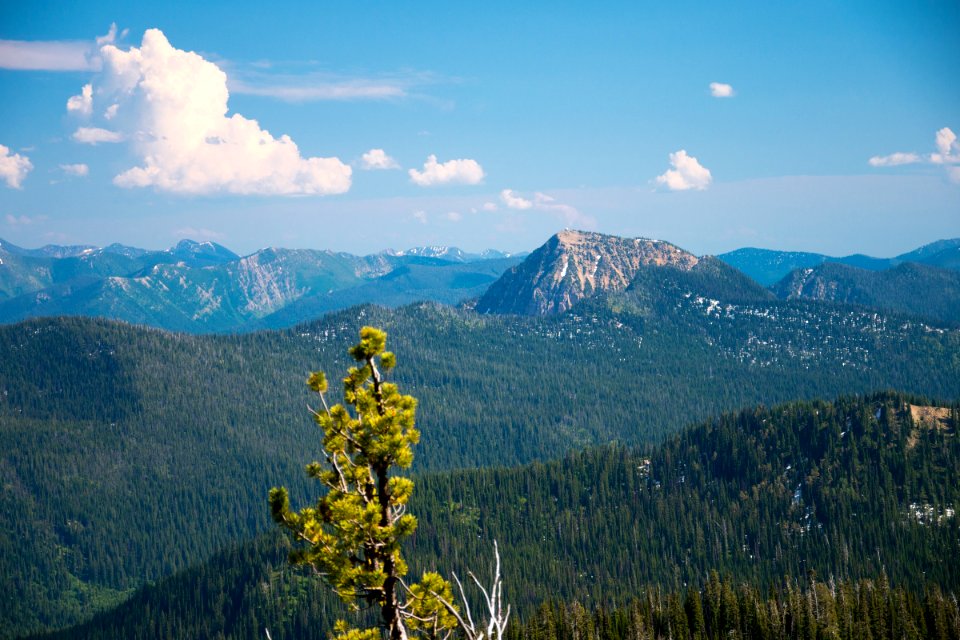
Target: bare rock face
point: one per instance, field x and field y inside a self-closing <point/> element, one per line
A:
<point x="574" y="265"/>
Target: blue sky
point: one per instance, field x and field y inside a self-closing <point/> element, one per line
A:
<point x="808" y="126"/>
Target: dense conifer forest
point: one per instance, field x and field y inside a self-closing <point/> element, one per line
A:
<point x="846" y="507"/>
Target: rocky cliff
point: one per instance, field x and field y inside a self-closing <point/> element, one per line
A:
<point x="574" y="265"/>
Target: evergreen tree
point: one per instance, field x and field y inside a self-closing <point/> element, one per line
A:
<point x="353" y="535"/>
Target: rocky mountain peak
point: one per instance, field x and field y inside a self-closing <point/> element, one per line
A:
<point x="573" y="265"/>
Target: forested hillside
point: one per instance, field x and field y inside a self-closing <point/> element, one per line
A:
<point x="797" y="501"/>
<point x="205" y="425"/>
<point x="922" y="290"/>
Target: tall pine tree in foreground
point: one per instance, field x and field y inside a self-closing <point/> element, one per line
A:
<point x="354" y="533"/>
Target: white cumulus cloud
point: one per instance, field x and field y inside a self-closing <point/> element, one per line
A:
<point x="13" y="167"/>
<point x="79" y="170"/>
<point x="461" y="171"/>
<point x="83" y="103"/>
<point x="172" y="107"/>
<point x="687" y="173"/>
<point x="513" y="201"/>
<point x="721" y="90"/>
<point x="894" y="159"/>
<point x="96" y="135"/>
<point x="947" y="148"/>
<point x="378" y="159"/>
<point x="454" y="216"/>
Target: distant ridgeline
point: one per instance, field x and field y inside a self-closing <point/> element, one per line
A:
<point x="202" y="287"/>
<point x="206" y="288"/>
<point x="822" y="515"/>
<point x="769" y="267"/>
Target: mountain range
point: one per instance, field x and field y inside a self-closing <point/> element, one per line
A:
<point x="204" y="287"/>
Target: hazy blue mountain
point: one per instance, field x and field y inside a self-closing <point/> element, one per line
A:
<point x="943" y="253"/>
<point x="768" y="266"/>
<point x="453" y="254"/>
<point x="931" y="253"/>
<point x="205" y="287"/>
<point x="122" y="249"/>
<point x="419" y="279"/>
<point x="201" y="254"/>
<point x="47" y="251"/>
<point x="22" y="274"/>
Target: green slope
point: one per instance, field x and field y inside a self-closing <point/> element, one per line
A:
<point x="829" y="489"/>
<point x="929" y="292"/>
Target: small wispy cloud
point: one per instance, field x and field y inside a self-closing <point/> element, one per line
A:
<point x="96" y="135"/>
<point x="513" y="201"/>
<point x="454" y="216"/>
<point x="263" y="79"/>
<point x="22" y="221"/>
<point x="721" y="90"/>
<point x="687" y="173"/>
<point x="13" y="167"/>
<point x="543" y="202"/>
<point x="377" y="159"/>
<point x="55" y="55"/>
<point x="894" y="159"/>
<point x="947" y="153"/>
<point x="460" y="171"/>
<point x="305" y="90"/>
<point x="77" y="170"/>
<point x="420" y="216"/>
<point x="110" y="36"/>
